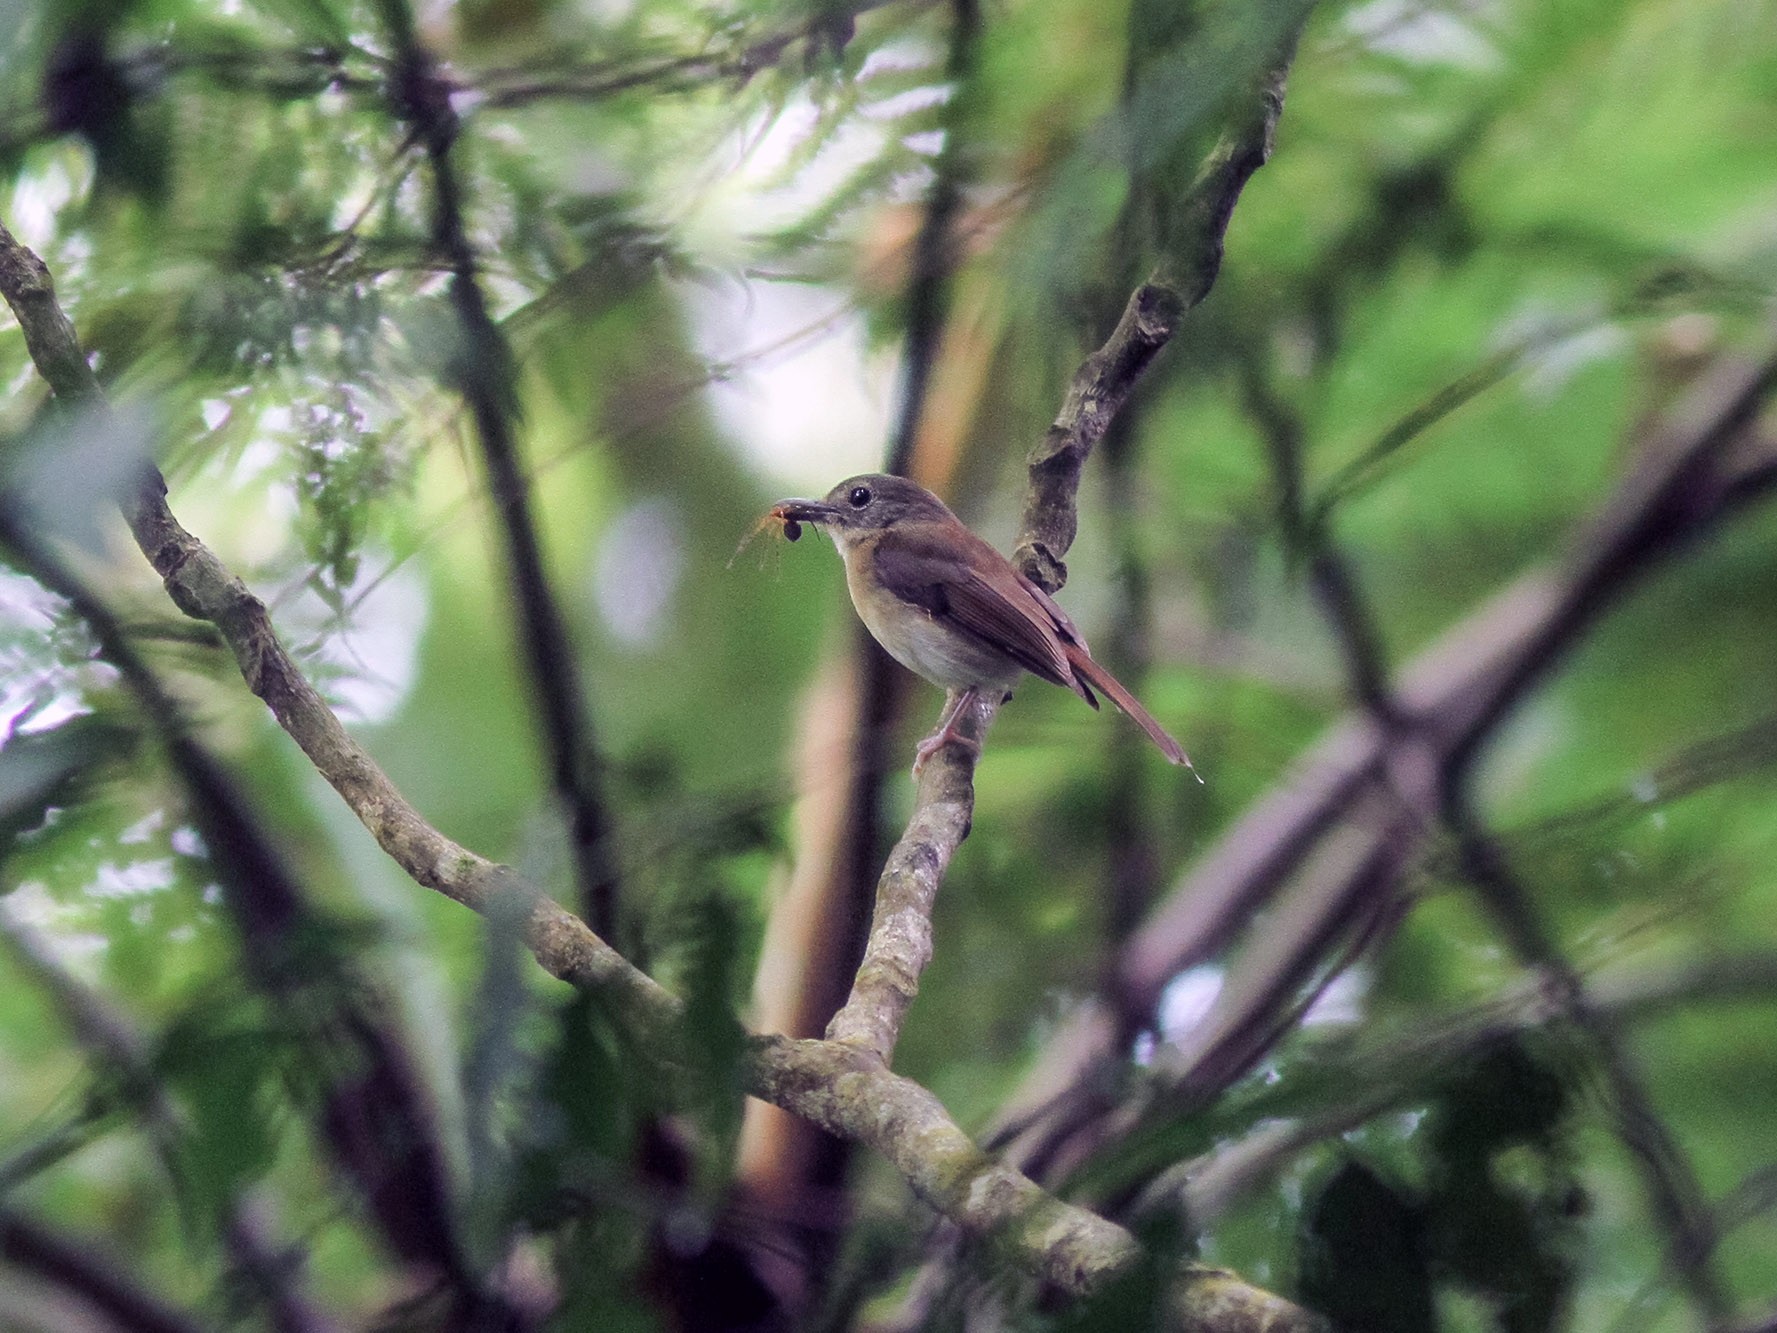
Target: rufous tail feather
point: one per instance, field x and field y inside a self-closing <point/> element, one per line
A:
<point x="1112" y="688"/>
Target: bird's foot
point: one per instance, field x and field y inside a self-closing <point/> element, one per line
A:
<point x="948" y="731"/>
<point x="936" y="742"/>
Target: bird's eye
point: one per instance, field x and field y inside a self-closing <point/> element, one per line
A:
<point x="859" y="497"/>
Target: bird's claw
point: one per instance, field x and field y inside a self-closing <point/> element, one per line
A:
<point x="930" y="746"/>
<point x="948" y="730"/>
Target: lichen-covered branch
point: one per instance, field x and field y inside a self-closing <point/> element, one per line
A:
<point x="846" y="1090"/>
<point x="900" y="943"/>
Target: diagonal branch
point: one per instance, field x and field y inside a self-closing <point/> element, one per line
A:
<point x="1674" y="1192"/>
<point x="1388" y="1071"/>
<point x="62" y="1263"/>
<point x="373" y="1117"/>
<point x="1687" y="482"/>
<point x="1700" y="464"/>
<point x="483" y="370"/>
<point x="1109" y="375"/>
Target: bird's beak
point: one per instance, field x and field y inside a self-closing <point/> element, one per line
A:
<point x="806" y="511"/>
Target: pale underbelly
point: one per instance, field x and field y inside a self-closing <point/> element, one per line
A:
<point x="942" y="655"/>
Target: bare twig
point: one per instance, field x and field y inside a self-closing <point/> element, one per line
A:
<point x="1308" y="539"/>
<point x="1455" y="692"/>
<point x="289" y="72"/>
<point x="1464" y="683"/>
<point x="118" y="1050"/>
<point x="1417" y="774"/>
<point x="374" y="1119"/>
<point x="1387" y="1070"/>
<point x="1428" y="784"/>
<point x="935" y="246"/>
<point x="482" y="368"/>
<point x="1106" y="378"/>
<point x="98" y="1283"/>
<point x="1132" y="857"/>
<point x="1673" y="1190"/>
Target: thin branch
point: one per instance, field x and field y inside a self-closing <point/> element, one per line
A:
<point x="1308" y="539"/>
<point x="1097" y="392"/>
<point x="1457" y="690"/>
<point x="374" y="1120"/>
<point x="1671" y="1183"/>
<point x="284" y="73"/>
<point x="1391" y="1069"/>
<point x="1132" y="854"/>
<point x="483" y="370"/>
<point x="1108" y="376"/>
<point x="57" y="1260"/>
<point x="1465" y="682"/>
<point x="118" y="1050"/>
<point x="831" y="25"/>
<point x="57" y="1143"/>
<point x="935" y="245"/>
<point x="1354" y="475"/>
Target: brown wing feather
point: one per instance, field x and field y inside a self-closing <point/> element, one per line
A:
<point x="979" y="594"/>
<point x="1113" y="689"/>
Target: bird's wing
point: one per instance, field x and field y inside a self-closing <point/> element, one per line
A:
<point x="983" y="597"/>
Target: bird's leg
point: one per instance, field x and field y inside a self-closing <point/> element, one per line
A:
<point x="947" y="731"/>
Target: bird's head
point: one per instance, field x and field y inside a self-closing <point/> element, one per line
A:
<point x="864" y="504"/>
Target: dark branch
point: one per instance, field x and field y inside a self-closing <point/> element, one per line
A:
<point x="1308" y="539"/>
<point x="935" y="245"/>
<point x="1671" y="1183"/>
<point x="98" y="1283"/>
<point x="374" y="1118"/>
<point x="1417" y="776"/>
<point x="1388" y="1070"/>
<point x="1464" y="683"/>
<point x="484" y="374"/>
<point x="1313" y="836"/>
<point x="120" y="1054"/>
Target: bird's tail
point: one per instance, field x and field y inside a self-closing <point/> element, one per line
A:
<point x="1096" y="676"/>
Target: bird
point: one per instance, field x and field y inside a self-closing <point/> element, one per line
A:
<point x="947" y="606"/>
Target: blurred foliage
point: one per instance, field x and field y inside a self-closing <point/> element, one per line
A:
<point x="1494" y="242"/>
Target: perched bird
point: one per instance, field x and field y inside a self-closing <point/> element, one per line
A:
<point x="949" y="607"/>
